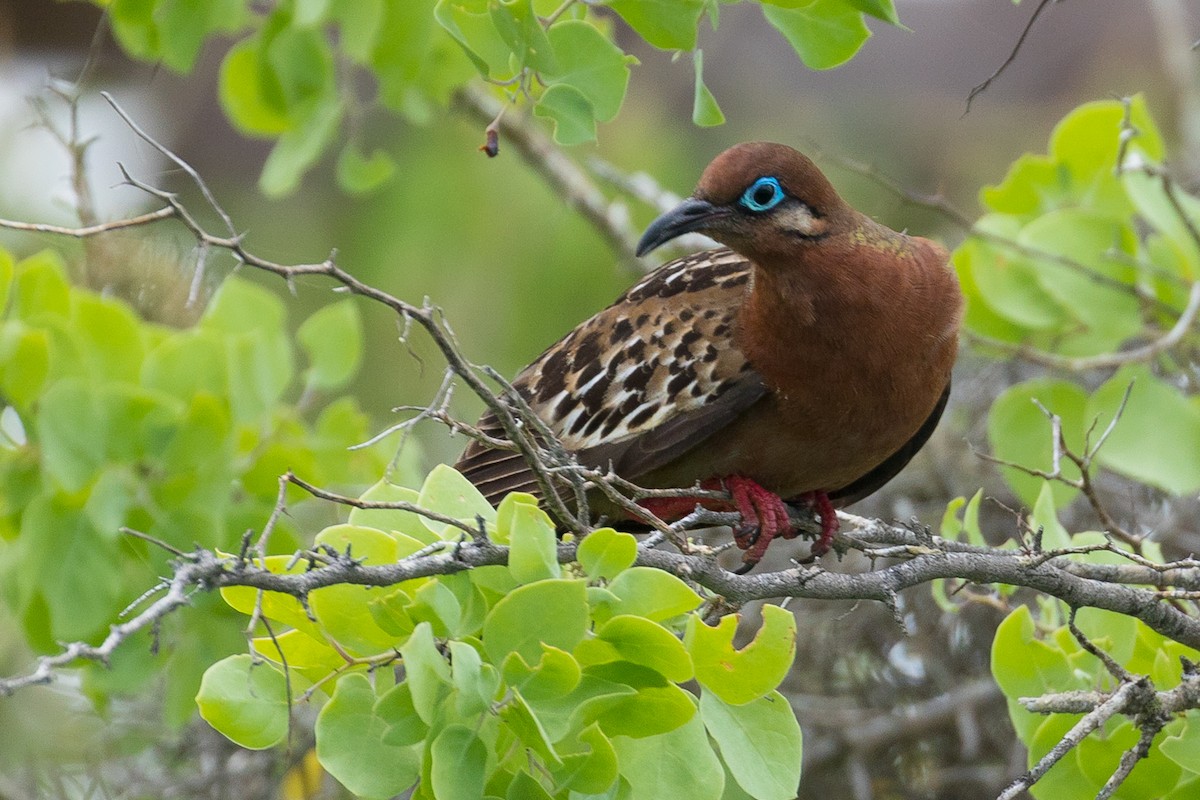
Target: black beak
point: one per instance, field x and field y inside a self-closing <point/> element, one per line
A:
<point x="688" y="216"/>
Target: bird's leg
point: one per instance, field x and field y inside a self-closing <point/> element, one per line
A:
<point x="674" y="508"/>
<point x="764" y="516"/>
<point x="820" y="504"/>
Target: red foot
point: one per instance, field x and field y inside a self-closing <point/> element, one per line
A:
<point x="764" y="515"/>
<point x="819" y="502"/>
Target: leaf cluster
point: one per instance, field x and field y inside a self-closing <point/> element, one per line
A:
<point x="293" y="71"/>
<point x="532" y="679"/>
<point x="112" y="421"/>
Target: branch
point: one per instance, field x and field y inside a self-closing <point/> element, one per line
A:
<point x="1012" y="56"/>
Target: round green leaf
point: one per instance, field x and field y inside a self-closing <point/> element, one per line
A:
<point x="824" y="33"/>
<point x="638" y="641"/>
<point x="605" y="553"/>
<point x="1157" y="439"/>
<point x="739" y="676"/>
<point x="760" y="743"/>
<point x="446" y="491"/>
<point x="533" y="553"/>
<point x="426" y="672"/>
<point x="592" y="63"/>
<point x="393" y="521"/>
<point x="332" y="340"/>
<point x="458" y="757"/>
<point x="1023" y="665"/>
<point x="350" y="743"/>
<point x="666" y="24"/>
<point x="651" y="593"/>
<point x="553" y="612"/>
<point x="243" y="98"/>
<point x="680" y="763"/>
<point x="1019" y="432"/>
<point x="573" y="115"/>
<point x="246" y="701"/>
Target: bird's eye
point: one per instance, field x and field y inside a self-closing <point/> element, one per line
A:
<point x="763" y="195"/>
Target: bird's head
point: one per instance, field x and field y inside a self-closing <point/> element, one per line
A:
<point x="759" y="198"/>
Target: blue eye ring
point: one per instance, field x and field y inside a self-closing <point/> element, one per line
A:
<point x="762" y="195"/>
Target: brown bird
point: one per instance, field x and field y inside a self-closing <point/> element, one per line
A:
<point x="806" y="362"/>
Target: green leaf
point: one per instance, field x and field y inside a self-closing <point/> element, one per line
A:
<point x="760" y="743"/>
<point x="740" y="676"/>
<point x="1151" y="779"/>
<point x="525" y="787"/>
<point x="880" y="9"/>
<point x="343" y="610"/>
<point x="1007" y="280"/>
<point x="405" y="725"/>
<point x="705" y="111"/>
<point x="109" y="336"/>
<point x="393" y="521"/>
<point x="476" y="683"/>
<point x="1183" y="744"/>
<point x="524" y="724"/>
<point x="184" y="26"/>
<point x="24" y="363"/>
<point x="358" y="173"/>
<point x="533" y="554"/>
<point x="71" y="429"/>
<point x="522" y="31"/>
<point x="1157" y="439"/>
<point x="299" y="148"/>
<point x="332" y="339"/>
<point x="555" y="674"/>
<point x="426" y="671"/>
<point x="243" y="93"/>
<point x="458" y="757"/>
<point x="245" y="701"/>
<point x="588" y="61"/>
<point x="680" y="763"/>
<point x="471" y="26"/>
<point x="1019" y="432"/>
<point x="638" y="641"/>
<point x="6" y="279"/>
<point x="657" y="706"/>
<point x="592" y="771"/>
<point x="824" y="33"/>
<point x="298" y="650"/>
<point x="666" y="24"/>
<point x="360" y="23"/>
<point x="604" y="553"/>
<point x="1045" y="518"/>
<point x="1110" y="313"/>
<point x="552" y="612"/>
<point x="41" y="287"/>
<point x="1022" y="664"/>
<point x="446" y="491"/>
<point x="573" y="115"/>
<point x="651" y="593"/>
<point x="67" y="566"/>
<point x="350" y="734"/>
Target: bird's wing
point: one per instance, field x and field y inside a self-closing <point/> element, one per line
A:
<point x="641" y="382"/>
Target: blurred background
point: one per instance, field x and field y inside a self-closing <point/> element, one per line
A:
<point x="886" y="712"/>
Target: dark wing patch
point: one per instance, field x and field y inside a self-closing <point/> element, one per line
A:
<point x="641" y="382"/>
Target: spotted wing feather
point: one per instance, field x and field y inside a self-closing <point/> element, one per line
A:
<point x="641" y="382"/>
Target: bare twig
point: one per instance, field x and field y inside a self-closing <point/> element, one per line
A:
<point x="1012" y="56"/>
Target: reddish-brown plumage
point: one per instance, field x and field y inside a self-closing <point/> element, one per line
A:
<point x="813" y="360"/>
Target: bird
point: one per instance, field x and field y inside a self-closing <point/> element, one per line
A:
<point x="803" y="362"/>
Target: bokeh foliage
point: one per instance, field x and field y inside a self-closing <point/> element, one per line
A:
<point x="290" y="76"/>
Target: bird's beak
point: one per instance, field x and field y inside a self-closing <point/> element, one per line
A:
<point x="690" y="215"/>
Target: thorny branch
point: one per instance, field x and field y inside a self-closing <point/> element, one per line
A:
<point x="914" y="556"/>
